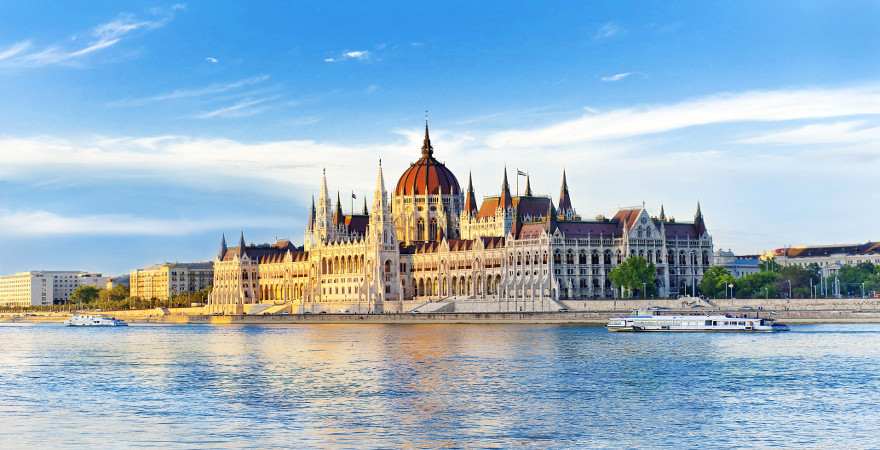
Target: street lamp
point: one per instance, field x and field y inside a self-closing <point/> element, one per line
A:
<point x="731" y="290"/>
<point x="789" y="288"/>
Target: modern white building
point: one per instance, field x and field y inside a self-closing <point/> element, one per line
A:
<point x="44" y="287"/>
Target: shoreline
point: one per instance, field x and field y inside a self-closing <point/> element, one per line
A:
<point x="571" y="317"/>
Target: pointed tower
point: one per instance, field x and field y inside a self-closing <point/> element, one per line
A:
<point x="242" y="246"/>
<point x="324" y="214"/>
<point x="222" y="247"/>
<point x="384" y="284"/>
<point x="662" y="213"/>
<point x="470" y="199"/>
<point x="365" y="212"/>
<point x="338" y="217"/>
<point x="528" y="187"/>
<point x="699" y="225"/>
<point x="506" y="200"/>
<point x="311" y="225"/>
<point x="565" y="209"/>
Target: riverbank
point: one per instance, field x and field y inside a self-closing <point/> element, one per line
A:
<point x="581" y="312"/>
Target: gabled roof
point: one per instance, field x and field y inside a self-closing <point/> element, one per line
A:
<point x="627" y="217"/>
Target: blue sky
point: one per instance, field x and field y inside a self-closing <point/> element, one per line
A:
<point x="137" y="132"/>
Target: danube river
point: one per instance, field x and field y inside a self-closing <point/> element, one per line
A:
<point x="436" y="385"/>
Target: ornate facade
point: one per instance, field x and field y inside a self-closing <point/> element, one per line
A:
<point x="431" y="242"/>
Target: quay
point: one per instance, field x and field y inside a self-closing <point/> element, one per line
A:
<point x="792" y="311"/>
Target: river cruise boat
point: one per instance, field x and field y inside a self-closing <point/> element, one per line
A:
<point x="80" y="320"/>
<point x="651" y="321"/>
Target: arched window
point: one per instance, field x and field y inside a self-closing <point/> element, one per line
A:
<point x="659" y="260"/>
<point x="607" y="258"/>
<point x="594" y="258"/>
<point x="557" y="257"/>
<point x="433" y="230"/>
<point x="420" y="230"/>
<point x="388" y="266"/>
<point x="582" y="257"/>
<point x="682" y="259"/>
<point x="705" y="258"/>
<point x="545" y="258"/>
<point x="519" y="259"/>
<point x="569" y="257"/>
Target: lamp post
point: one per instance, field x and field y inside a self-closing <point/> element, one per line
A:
<point x="731" y="290"/>
<point x="789" y="288"/>
<point x="645" y="290"/>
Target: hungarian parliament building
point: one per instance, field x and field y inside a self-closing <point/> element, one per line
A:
<point x="430" y="242"/>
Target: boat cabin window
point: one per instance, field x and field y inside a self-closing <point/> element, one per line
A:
<point x="709" y="323"/>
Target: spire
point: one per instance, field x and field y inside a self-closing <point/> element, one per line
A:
<point x="311" y="224"/>
<point x="470" y="199"/>
<point x="222" y="247"/>
<point x="427" y="149"/>
<point x="564" y="197"/>
<point x="528" y="187"/>
<point x="698" y="221"/>
<point x="366" y="212"/>
<point x="242" y="246"/>
<point x="337" y="216"/>
<point x="506" y="200"/>
<point x="662" y="213"/>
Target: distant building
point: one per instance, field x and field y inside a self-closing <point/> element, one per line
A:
<point x="121" y="280"/>
<point x="163" y="281"/>
<point x="737" y="265"/>
<point x="38" y="288"/>
<point x="830" y="258"/>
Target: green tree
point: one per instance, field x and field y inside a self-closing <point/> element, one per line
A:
<point x="635" y="274"/>
<point x="715" y="281"/>
<point x="758" y="285"/>
<point x="84" y="295"/>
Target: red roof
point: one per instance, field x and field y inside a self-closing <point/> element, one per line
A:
<point x="627" y="216"/>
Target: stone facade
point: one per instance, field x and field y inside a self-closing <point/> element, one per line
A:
<point x="429" y="242"/>
<point x="163" y="281"/>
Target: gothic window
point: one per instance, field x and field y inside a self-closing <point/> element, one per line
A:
<point x="705" y="258"/>
<point x="545" y="258"/>
<point x="607" y="258"/>
<point x="420" y="230"/>
<point x="433" y="230"/>
<point x="594" y="258"/>
<point x="557" y="257"/>
<point x="582" y="257"/>
<point x="519" y="259"/>
<point x="659" y="260"/>
<point x="569" y="257"/>
<point x="682" y="259"/>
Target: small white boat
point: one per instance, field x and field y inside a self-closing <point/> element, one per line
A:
<point x="651" y="321"/>
<point x="80" y="320"/>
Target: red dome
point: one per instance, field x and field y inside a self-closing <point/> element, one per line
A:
<point x="427" y="175"/>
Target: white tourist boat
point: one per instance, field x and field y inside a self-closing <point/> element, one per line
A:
<point x="651" y="321"/>
<point x="79" y="320"/>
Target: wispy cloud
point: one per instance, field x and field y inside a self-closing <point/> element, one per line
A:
<point x="753" y="106"/>
<point x="616" y="76"/>
<point x="243" y="108"/>
<point x="348" y="55"/>
<point x="847" y="132"/>
<point x="103" y="36"/>
<point x="211" y="89"/>
<point x="212" y="60"/>
<point x="608" y="30"/>
<point x="46" y="223"/>
<point x="14" y="49"/>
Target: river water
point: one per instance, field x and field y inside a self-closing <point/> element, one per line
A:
<point x="436" y="385"/>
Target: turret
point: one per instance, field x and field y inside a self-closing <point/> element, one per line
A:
<point x="242" y="246"/>
<point x="470" y="199"/>
<point x="528" y="187"/>
<point x="222" y="247"/>
<point x="565" y="209"/>
<point x="506" y="200"/>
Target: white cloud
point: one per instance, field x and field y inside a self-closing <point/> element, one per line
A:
<point x="45" y="223"/>
<point x="608" y="30"/>
<point x="848" y="132"/>
<point x="212" y="89"/>
<point x="14" y="49"/>
<point x="243" y="108"/>
<point x="103" y="36"/>
<point x="358" y="55"/>
<point x="754" y="106"/>
<point x="212" y="60"/>
<point x="616" y="76"/>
